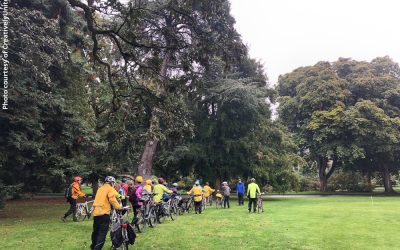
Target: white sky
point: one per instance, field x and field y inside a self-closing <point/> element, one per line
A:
<point x="287" y="34"/>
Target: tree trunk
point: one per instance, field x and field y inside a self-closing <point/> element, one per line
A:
<point x="146" y="166"/>
<point x="95" y="186"/>
<point x="386" y="179"/>
<point x="325" y="173"/>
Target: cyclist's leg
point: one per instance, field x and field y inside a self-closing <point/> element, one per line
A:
<point x="200" y="206"/>
<point x="254" y="205"/>
<point x="100" y="229"/>
<point x="250" y="201"/>
<point x="72" y="209"/>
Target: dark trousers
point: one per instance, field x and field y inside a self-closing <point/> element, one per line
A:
<point x="197" y="206"/>
<point x="240" y="199"/>
<point x="226" y="200"/>
<point x="100" y="229"/>
<point x="72" y="209"/>
<point x="254" y="201"/>
<point x="136" y="211"/>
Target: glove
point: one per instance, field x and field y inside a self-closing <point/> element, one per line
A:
<point x="122" y="197"/>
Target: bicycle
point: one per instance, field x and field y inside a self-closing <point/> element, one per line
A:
<point x="218" y="203"/>
<point x="203" y="203"/>
<point x="260" y="203"/>
<point x="83" y="210"/>
<point x="122" y="234"/>
<point x="143" y="217"/>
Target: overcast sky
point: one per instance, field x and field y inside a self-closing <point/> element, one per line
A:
<point x="287" y="34"/>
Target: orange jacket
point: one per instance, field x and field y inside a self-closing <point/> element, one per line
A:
<point x="105" y="198"/>
<point x="76" y="191"/>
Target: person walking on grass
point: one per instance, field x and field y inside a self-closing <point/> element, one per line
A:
<point x="198" y="196"/>
<point x="240" y="191"/>
<point x="252" y="191"/>
<point x="105" y="198"/>
<point x="208" y="193"/>
<point x="226" y="191"/>
<point x="74" y="192"/>
<point x="135" y="197"/>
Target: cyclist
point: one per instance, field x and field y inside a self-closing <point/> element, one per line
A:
<point x="75" y="193"/>
<point x="135" y="197"/>
<point x="198" y="196"/>
<point x="252" y="191"/>
<point x="159" y="190"/>
<point x="240" y="191"/>
<point x="147" y="187"/>
<point x="174" y="187"/>
<point x="122" y="189"/>
<point x="218" y="195"/>
<point x="105" y="198"/>
<point x="226" y="190"/>
<point x="208" y="193"/>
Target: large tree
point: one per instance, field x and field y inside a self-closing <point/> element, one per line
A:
<point x="324" y="104"/>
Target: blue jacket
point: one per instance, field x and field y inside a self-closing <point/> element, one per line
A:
<point x="240" y="188"/>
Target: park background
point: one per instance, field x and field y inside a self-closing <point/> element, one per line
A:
<point x="169" y="89"/>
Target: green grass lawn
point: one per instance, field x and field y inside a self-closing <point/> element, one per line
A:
<point x="287" y="223"/>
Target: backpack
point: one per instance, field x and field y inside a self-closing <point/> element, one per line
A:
<point x="121" y="190"/>
<point x="131" y="234"/>
<point x="116" y="235"/>
<point x="132" y="195"/>
<point x="166" y="197"/>
<point x="68" y="192"/>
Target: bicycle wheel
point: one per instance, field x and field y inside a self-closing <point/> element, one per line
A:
<point x="141" y="224"/>
<point x="172" y="213"/>
<point x="80" y="213"/>
<point x="152" y="218"/>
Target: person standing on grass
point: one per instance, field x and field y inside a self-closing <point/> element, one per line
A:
<point x="208" y="193"/>
<point x="198" y="196"/>
<point x="226" y="191"/>
<point x="240" y="191"/>
<point x="252" y="191"/>
<point x="75" y="193"/>
<point x="105" y="198"/>
<point x="135" y="197"/>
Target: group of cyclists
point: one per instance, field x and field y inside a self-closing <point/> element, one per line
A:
<point x="116" y="195"/>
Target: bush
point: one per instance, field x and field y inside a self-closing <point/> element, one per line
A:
<point x="309" y="184"/>
<point x="348" y="181"/>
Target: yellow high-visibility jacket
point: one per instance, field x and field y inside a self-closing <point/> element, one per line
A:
<point x="105" y="198"/>
<point x="76" y="191"/>
<point x="252" y="190"/>
<point x="197" y="192"/>
<point x="208" y="192"/>
<point x="159" y="190"/>
<point x="148" y="188"/>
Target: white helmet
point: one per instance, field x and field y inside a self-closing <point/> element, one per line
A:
<point x="197" y="182"/>
<point x="175" y="184"/>
<point x="109" y="179"/>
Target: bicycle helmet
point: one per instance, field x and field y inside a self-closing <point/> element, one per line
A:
<point x="175" y="184"/>
<point x="148" y="182"/>
<point x="109" y="179"/>
<point x="139" y="179"/>
<point x="160" y="180"/>
<point x="77" y="178"/>
<point x="252" y="180"/>
<point x="197" y="182"/>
